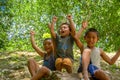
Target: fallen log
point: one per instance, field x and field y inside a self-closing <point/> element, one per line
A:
<point x="67" y="76"/>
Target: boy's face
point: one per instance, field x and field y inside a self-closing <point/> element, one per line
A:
<point x="48" y="46"/>
<point x="91" y="38"/>
<point x="64" y="30"/>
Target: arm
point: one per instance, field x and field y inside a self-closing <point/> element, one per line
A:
<point x="73" y="33"/>
<point x="77" y="35"/>
<point x="53" y="34"/>
<point x="72" y="26"/>
<point x="85" y="63"/>
<point x="107" y="58"/>
<point x="51" y="27"/>
<point x="79" y="43"/>
<point x="84" y="26"/>
<point x="37" y="49"/>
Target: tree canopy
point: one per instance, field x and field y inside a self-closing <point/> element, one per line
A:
<point x="18" y="17"/>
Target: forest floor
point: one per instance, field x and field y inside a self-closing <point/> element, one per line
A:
<point x="13" y="66"/>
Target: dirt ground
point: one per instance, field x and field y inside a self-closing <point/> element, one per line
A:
<point x="13" y="66"/>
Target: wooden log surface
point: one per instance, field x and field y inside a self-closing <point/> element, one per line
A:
<point x="67" y="76"/>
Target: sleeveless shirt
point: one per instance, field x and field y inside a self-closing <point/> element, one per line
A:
<point x="49" y="62"/>
<point x="95" y="57"/>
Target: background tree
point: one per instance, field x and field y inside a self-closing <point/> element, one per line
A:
<point x="18" y="17"/>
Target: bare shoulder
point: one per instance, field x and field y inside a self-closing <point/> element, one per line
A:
<point x="87" y="50"/>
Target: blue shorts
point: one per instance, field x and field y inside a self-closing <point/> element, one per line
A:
<point x="91" y="69"/>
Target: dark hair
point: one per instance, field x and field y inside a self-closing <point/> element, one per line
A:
<point x="46" y="39"/>
<point x="91" y="30"/>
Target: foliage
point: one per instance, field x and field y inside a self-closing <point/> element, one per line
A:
<point x="18" y="17"/>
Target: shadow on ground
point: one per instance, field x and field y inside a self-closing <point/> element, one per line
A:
<point x="13" y="66"/>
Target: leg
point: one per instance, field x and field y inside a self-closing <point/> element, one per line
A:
<point x="33" y="67"/>
<point x="42" y="72"/>
<point x="58" y="64"/>
<point x="101" y="75"/>
<point x="67" y="64"/>
<point x="80" y="75"/>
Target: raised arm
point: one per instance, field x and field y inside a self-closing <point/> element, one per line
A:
<point x="51" y="27"/>
<point x="108" y="59"/>
<point x="79" y="43"/>
<point x="72" y="25"/>
<point x="37" y="49"/>
<point x="84" y="26"/>
<point x="78" y="34"/>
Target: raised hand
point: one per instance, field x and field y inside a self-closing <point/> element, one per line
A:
<point x="54" y="19"/>
<point x="84" y="24"/>
<point x="69" y="17"/>
<point x="51" y="26"/>
<point x="32" y="32"/>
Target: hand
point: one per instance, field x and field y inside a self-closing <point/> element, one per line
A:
<point x="84" y="24"/>
<point x="49" y="25"/>
<point x="54" y="19"/>
<point x="32" y="32"/>
<point x="69" y="17"/>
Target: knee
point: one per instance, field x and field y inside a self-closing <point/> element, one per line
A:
<point x="30" y="61"/>
<point x="67" y="64"/>
<point x="58" y="61"/>
<point x="58" y="64"/>
<point x="67" y="61"/>
<point x="45" y="70"/>
<point x="100" y="74"/>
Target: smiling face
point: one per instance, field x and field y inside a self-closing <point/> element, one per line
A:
<point x="91" y="37"/>
<point x="64" y="30"/>
<point x="48" y="45"/>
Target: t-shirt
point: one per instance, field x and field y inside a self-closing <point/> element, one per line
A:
<point x="64" y="47"/>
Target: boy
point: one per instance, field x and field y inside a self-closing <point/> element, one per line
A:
<point x="37" y="72"/>
<point x="63" y="44"/>
<point x="91" y="56"/>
